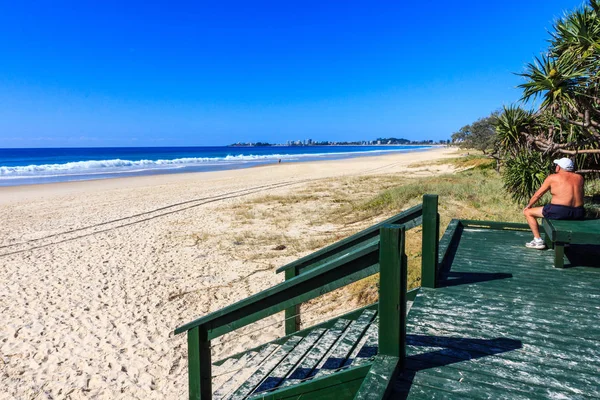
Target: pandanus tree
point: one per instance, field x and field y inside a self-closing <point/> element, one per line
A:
<point x="565" y="83"/>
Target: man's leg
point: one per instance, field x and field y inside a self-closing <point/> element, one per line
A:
<point x="531" y="214"/>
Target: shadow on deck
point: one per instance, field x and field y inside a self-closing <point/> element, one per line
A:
<point x="492" y="320"/>
<point x="503" y="323"/>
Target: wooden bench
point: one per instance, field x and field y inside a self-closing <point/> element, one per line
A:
<point x="561" y="232"/>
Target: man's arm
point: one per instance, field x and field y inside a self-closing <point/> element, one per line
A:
<point x="540" y="192"/>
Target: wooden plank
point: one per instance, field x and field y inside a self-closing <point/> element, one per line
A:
<point x="537" y="271"/>
<point x="392" y="289"/>
<point x="496" y="388"/>
<point x="495" y="299"/>
<point x="347" y="344"/>
<point x="583" y="349"/>
<point x="448" y="240"/>
<point x="498" y="367"/>
<point x="430" y="242"/>
<point x="306" y="368"/>
<point x="352" y="315"/>
<point x="378" y="383"/>
<point x="467" y="223"/>
<point x="274" y="378"/>
<point x="311" y="284"/>
<point x="521" y="291"/>
<point x="221" y="377"/>
<point x="529" y="352"/>
<point x="555" y="326"/>
<point x="292" y="314"/>
<point x="342" y="385"/>
<point x="199" y="366"/>
<point x="580" y="232"/>
<point x="278" y="303"/>
<point x="549" y="229"/>
<point x="265" y="369"/>
<point x="412" y="294"/>
<point x="338" y="248"/>
<point x="367" y="347"/>
<point x="242" y="371"/>
<point x="542" y="324"/>
<point x="429" y="386"/>
<point x="193" y="339"/>
<point x="559" y="255"/>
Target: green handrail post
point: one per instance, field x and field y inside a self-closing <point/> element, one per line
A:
<point x="292" y="314"/>
<point x="199" y="364"/>
<point x="392" y="293"/>
<point x="431" y="234"/>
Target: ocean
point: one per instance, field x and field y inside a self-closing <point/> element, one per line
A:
<point x="35" y="166"/>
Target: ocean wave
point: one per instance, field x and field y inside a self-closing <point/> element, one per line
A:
<point x="89" y="167"/>
<point x="92" y="167"/>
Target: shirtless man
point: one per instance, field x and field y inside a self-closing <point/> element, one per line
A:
<point x="567" y="200"/>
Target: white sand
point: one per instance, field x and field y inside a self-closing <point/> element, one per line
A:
<point x="96" y="275"/>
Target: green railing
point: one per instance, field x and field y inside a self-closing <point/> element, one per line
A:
<point x="425" y="214"/>
<point x="335" y="266"/>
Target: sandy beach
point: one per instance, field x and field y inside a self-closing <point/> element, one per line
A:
<point x="96" y="275"/>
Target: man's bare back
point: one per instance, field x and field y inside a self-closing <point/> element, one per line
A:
<point x="566" y="188"/>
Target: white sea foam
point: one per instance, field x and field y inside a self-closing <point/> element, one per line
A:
<point x="116" y="166"/>
<point x="103" y="166"/>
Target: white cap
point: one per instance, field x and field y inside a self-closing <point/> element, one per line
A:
<point x="565" y="163"/>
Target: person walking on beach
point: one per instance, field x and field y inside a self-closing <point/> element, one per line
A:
<point x="566" y="188"/>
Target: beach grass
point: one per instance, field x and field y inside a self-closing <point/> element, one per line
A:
<point x="331" y="210"/>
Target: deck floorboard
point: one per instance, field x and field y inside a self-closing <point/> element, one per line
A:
<point x="505" y="323"/>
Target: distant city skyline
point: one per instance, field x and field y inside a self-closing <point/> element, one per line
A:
<point x="311" y="142"/>
<point x="76" y="74"/>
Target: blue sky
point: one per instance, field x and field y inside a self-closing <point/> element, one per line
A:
<point x="213" y="73"/>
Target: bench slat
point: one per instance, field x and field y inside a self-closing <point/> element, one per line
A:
<point x="576" y="232"/>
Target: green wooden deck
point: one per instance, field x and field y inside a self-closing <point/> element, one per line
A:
<point x="492" y="320"/>
<point x="503" y="323"/>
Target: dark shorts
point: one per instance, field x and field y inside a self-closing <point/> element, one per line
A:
<point x="554" y="211"/>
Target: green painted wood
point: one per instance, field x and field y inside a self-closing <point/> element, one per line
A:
<point x="358" y="239"/>
<point x="495" y="289"/>
<point x="436" y="387"/>
<point x="392" y="292"/>
<point x="292" y="314"/>
<point x="521" y="370"/>
<point x="463" y="336"/>
<point x="306" y="368"/>
<point x="559" y="255"/>
<point x="559" y="232"/>
<point x="340" y="272"/>
<point x="579" y="232"/>
<point x="199" y="365"/>
<point x="279" y="375"/>
<point x="544" y="344"/>
<point x="193" y="339"/>
<point x="467" y="223"/>
<point x="241" y="371"/>
<point x="547" y="322"/>
<point x="352" y="315"/>
<point x="347" y="344"/>
<point x="272" y="362"/>
<point x="412" y="294"/>
<point x="378" y="382"/>
<point x="342" y="385"/>
<point x="283" y="300"/>
<point x="367" y="348"/>
<point x="431" y="235"/>
<point x="449" y="238"/>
